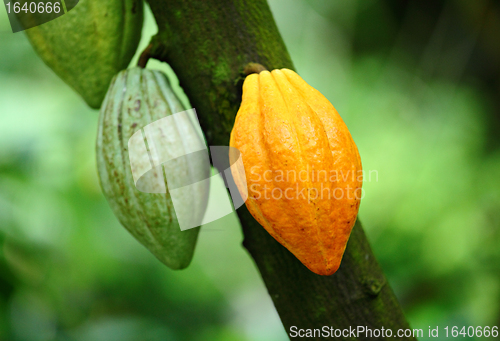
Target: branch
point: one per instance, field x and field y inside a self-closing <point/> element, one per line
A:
<point x="208" y="43"/>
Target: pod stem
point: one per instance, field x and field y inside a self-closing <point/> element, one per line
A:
<point x="145" y="56"/>
<point x="253" y="68"/>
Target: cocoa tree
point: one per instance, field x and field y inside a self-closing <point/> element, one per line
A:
<point x="208" y="43"/>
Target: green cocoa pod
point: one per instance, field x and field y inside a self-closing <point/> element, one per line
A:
<point x="88" y="45"/>
<point x="139" y="127"/>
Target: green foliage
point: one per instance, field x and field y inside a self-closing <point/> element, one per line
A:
<point x="69" y="271"/>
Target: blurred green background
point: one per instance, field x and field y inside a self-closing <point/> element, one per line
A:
<point x="418" y="84"/>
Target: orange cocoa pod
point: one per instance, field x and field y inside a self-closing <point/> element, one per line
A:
<point x="303" y="172"/>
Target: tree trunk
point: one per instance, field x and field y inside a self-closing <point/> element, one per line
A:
<point x="208" y="43"/>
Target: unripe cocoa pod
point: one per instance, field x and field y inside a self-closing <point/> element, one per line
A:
<point x="303" y="170"/>
<point x="139" y="99"/>
<point x="88" y="45"/>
